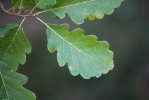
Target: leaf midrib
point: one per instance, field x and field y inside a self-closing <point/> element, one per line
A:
<point x="52" y="9"/>
<point x="71" y="44"/>
<point x="5" y="55"/>
<point x="11" y="43"/>
<point x="4" y="83"/>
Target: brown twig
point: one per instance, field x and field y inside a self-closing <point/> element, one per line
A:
<point x="2" y="8"/>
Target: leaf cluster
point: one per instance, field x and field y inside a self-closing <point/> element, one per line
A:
<point x="84" y="55"/>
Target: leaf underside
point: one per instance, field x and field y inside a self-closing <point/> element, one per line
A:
<point x="11" y="85"/>
<point x="83" y="54"/>
<point x="78" y="10"/>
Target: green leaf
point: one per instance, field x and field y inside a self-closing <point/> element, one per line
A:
<point x="52" y="15"/>
<point x="43" y="3"/>
<point x="11" y="85"/>
<point x="13" y="46"/>
<point x="80" y="9"/>
<point x="25" y="4"/>
<point x="83" y="54"/>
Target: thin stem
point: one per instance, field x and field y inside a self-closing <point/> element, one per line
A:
<point x="41" y="21"/>
<point x="13" y="6"/>
<point x="35" y="7"/>
<point x="16" y="14"/>
<point x="2" y="8"/>
<point x="21" y="23"/>
<point x="20" y="7"/>
<point x="43" y="11"/>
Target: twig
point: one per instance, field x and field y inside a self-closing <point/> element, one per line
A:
<point x="2" y="8"/>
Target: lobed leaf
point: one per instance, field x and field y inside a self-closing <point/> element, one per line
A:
<point x="78" y="10"/>
<point x="23" y="3"/>
<point x="43" y="3"/>
<point x="13" y="46"/>
<point x="83" y="54"/>
<point x="11" y="85"/>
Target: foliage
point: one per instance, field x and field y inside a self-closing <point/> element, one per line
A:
<point x="84" y="55"/>
<point x="11" y="85"/>
<point x="13" y="46"/>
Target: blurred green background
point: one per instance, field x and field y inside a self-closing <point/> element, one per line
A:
<point x="126" y="30"/>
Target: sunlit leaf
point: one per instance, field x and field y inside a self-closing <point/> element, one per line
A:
<point x="78" y="10"/>
<point x="11" y="85"/>
<point x="83" y="54"/>
<point x="13" y="46"/>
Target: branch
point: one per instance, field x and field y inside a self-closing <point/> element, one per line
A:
<point x="2" y="8"/>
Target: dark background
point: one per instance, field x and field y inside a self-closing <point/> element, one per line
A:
<point x="126" y="30"/>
